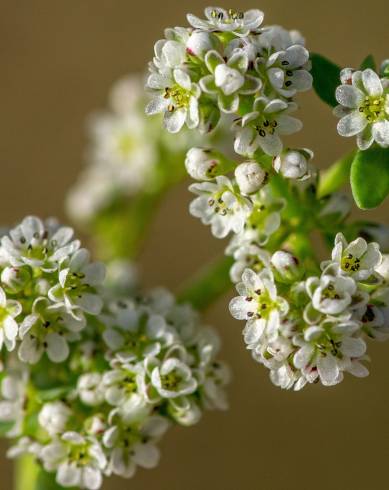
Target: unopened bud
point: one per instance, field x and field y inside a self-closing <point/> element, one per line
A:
<point x="200" y="42"/>
<point x="286" y="267"/>
<point x="15" y="279"/>
<point x="204" y="164"/>
<point x="346" y="76"/>
<point x="293" y="164"/>
<point x="250" y="177"/>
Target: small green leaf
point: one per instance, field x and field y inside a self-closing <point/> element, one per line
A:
<point x="326" y="78"/>
<point x="368" y="62"/>
<point x="370" y="177"/>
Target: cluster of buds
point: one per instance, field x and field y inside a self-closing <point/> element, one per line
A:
<point x="135" y="363"/>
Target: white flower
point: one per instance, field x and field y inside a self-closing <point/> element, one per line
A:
<point x="228" y="80"/>
<point x="263" y="127"/>
<point x="173" y="378"/>
<point x="220" y="206"/>
<point x="121" y="390"/>
<point x="177" y="100"/>
<point x="90" y="389"/>
<point x="78" y="280"/>
<point x="38" y="244"/>
<point x="79" y="461"/>
<point x="133" y="337"/>
<point x="15" y="279"/>
<point x="258" y="304"/>
<point x="330" y="294"/>
<point x="275" y="38"/>
<point x="286" y="70"/>
<point x="53" y="417"/>
<point x="250" y="177"/>
<point x="122" y="146"/>
<point x="12" y="404"/>
<point x="329" y="349"/>
<point x="9" y="310"/>
<point x="293" y="164"/>
<point x="205" y="164"/>
<point x="250" y="256"/>
<point x="131" y="446"/>
<point x="263" y="221"/>
<point x="47" y="329"/>
<point x="383" y="267"/>
<point x="218" y="19"/>
<point x="364" y="109"/>
<point x="375" y="321"/>
<point x="357" y="259"/>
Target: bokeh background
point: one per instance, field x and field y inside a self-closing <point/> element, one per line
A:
<point x="58" y="60"/>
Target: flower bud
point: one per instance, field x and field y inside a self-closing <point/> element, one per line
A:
<point x="286" y="267"/>
<point x="250" y="177"/>
<point x="15" y="279"/>
<point x="200" y="42"/>
<point x="293" y="164"/>
<point x="346" y="76"/>
<point x="95" y="425"/>
<point x="203" y="164"/>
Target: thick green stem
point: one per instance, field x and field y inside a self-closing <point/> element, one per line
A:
<point x="334" y="177"/>
<point x="29" y="475"/>
<point x="26" y="473"/>
<point x="208" y="284"/>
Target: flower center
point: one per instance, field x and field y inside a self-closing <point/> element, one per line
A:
<point x="232" y="16"/>
<point x="265" y="126"/>
<point x="125" y="144"/>
<point x="170" y="381"/>
<point x="179" y="97"/>
<point x="373" y="108"/>
<point x="330" y="292"/>
<point x="78" y="454"/>
<point x="265" y="304"/>
<point x="349" y="263"/>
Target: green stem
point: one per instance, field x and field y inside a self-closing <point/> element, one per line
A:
<point x="208" y="284"/>
<point x="29" y="475"/>
<point x="333" y="178"/>
<point x="26" y="473"/>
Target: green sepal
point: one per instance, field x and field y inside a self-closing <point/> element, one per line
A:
<point x="369" y="62"/>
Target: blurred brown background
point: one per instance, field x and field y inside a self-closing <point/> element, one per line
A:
<point x="58" y="59"/>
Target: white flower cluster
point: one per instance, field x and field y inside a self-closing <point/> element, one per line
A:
<point x="140" y="363"/>
<point x="47" y="287"/>
<point x="364" y="106"/>
<point x="125" y="153"/>
<point x="230" y="64"/>
<point x="311" y="329"/>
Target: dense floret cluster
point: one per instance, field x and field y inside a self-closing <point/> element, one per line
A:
<point x="135" y="364"/>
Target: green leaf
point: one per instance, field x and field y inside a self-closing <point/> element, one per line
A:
<point x="326" y="78"/>
<point x="368" y="62"/>
<point x="370" y="177"/>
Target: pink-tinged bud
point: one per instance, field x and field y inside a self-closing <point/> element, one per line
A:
<point x="15" y="279"/>
<point x="200" y="42"/>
